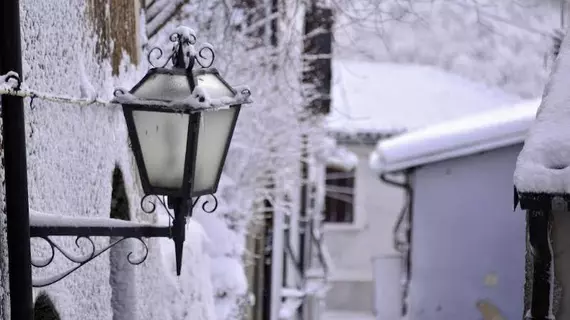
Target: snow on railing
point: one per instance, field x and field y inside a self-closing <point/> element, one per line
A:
<point x="10" y="84"/>
<point x="40" y="219"/>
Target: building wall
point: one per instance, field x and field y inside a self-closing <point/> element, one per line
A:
<point x="73" y="150"/>
<point x="468" y="246"/>
<point x="353" y="247"/>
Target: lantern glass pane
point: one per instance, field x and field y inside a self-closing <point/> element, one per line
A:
<point x="214" y="135"/>
<point x="163" y="138"/>
<point x="164" y="87"/>
<point x="213" y="86"/>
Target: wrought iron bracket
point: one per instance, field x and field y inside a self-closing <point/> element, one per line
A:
<point x="79" y="260"/>
<point x="46" y="226"/>
<point x="84" y="241"/>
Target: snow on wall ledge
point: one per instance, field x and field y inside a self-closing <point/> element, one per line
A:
<point x="544" y="162"/>
<point x="481" y="132"/>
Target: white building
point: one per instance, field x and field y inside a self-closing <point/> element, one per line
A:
<point x="370" y="102"/>
<point x="466" y="248"/>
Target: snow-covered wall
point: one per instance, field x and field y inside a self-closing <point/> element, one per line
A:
<point x="80" y="48"/>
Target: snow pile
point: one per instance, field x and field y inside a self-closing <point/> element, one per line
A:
<point x="543" y="164"/>
<point x="193" y="285"/>
<point x="481" y="132"/>
<point x="385" y="97"/>
<point x="226" y="230"/>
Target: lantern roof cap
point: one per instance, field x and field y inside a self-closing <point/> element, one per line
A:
<point x="196" y="100"/>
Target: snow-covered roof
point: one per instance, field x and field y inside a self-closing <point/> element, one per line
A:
<point x="485" y="131"/>
<point x="388" y="98"/>
<point x="543" y="164"/>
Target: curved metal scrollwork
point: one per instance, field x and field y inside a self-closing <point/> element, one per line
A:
<point x="208" y="58"/>
<point x="119" y="92"/>
<point x="13" y="76"/>
<point x="208" y="206"/>
<point x="80" y="260"/>
<point x="157" y="57"/>
<point x="149" y="206"/>
<point x="184" y="40"/>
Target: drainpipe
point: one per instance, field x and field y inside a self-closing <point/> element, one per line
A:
<point x="406" y="215"/>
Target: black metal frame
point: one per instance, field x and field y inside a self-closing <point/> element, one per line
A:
<point x="191" y="146"/>
<point x="237" y="108"/>
<point x="193" y="132"/>
<point x="178" y="197"/>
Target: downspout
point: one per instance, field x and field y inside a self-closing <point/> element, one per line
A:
<point x="540" y="300"/>
<point x="403" y="245"/>
<point x="542" y="278"/>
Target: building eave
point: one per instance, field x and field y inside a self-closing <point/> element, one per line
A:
<point x="458" y="138"/>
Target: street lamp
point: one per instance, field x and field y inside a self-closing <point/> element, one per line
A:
<point x="180" y="123"/>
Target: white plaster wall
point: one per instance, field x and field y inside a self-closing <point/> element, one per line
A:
<point x="72" y="151"/>
<point x="352" y="247"/>
<point x="468" y="246"/>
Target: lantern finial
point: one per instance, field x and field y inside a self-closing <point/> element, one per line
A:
<point x="184" y="54"/>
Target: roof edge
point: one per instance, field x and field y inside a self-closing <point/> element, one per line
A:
<point x="451" y="154"/>
<point x="477" y="133"/>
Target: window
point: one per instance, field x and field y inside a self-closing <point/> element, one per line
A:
<point x="339" y="199"/>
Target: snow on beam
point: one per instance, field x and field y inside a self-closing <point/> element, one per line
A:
<point x="43" y="224"/>
<point x="40" y="219"/>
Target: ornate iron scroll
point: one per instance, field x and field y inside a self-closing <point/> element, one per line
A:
<point x="184" y="40"/>
<point x="79" y="260"/>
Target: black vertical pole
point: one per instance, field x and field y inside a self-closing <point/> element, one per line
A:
<point x="539" y="239"/>
<point x="14" y="138"/>
<point x="267" y="259"/>
<point x="268" y="206"/>
<point x="180" y="206"/>
<point x="304" y="235"/>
